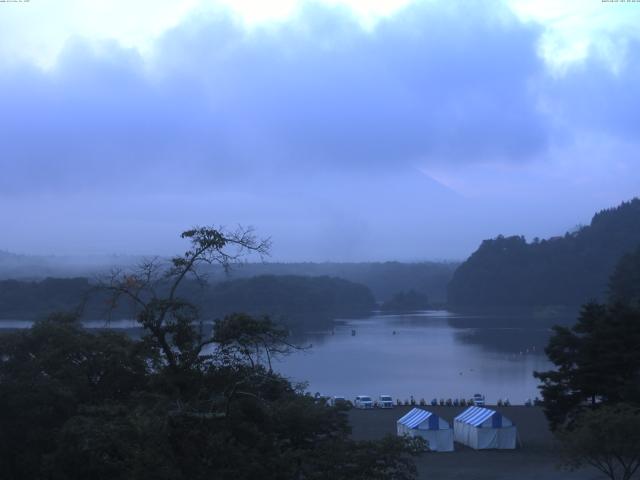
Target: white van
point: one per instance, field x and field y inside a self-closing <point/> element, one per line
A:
<point x="363" y="401"/>
<point x="384" y="401"/>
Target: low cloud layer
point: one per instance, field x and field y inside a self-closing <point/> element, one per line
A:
<point x="342" y="143"/>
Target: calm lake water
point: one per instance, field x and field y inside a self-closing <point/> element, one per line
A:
<point x="431" y="354"/>
<point x="427" y="354"/>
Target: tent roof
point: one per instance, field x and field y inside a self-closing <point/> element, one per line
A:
<point x="475" y="415"/>
<point x="415" y="417"/>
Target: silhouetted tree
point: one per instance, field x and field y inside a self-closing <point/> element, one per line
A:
<point x="597" y="362"/>
<point x="180" y="403"/>
<point x="51" y="371"/>
<point x="409" y="301"/>
<point x="153" y="291"/>
<point x="608" y="439"/>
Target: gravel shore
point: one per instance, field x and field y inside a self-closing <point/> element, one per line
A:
<point x="535" y="458"/>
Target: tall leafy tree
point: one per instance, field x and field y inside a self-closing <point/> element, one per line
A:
<point x="153" y="290"/>
<point x="183" y="402"/>
<point x="597" y="362"/>
<point x="607" y="439"/>
<point x="48" y="374"/>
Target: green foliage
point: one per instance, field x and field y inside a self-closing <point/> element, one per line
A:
<point x="180" y="403"/>
<point x="410" y="301"/>
<point x="294" y="300"/>
<point x="242" y="338"/>
<point x="389" y="458"/>
<point x="568" y="270"/>
<point x="384" y="279"/>
<point x="607" y="438"/>
<point x="592" y="398"/>
<point x="597" y="361"/>
<point x="298" y="302"/>
<point x="47" y="373"/>
<point x="624" y="285"/>
<point x="77" y="405"/>
<point x="22" y="299"/>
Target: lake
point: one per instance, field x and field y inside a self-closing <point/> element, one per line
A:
<point x="428" y="354"/>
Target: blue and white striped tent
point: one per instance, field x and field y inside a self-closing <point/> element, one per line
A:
<point x="421" y="423"/>
<point x="482" y="428"/>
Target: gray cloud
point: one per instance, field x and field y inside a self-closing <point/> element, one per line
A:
<point x="594" y="97"/>
<point x="312" y="130"/>
<point x="316" y="93"/>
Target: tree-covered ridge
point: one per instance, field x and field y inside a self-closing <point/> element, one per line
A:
<point x="30" y="300"/>
<point x="294" y="300"/>
<point x="383" y="278"/>
<point x="567" y="270"/>
<point x="624" y="285"/>
<point x="289" y="295"/>
<point x="410" y="301"/>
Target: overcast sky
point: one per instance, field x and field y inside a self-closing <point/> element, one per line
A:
<point x="345" y="130"/>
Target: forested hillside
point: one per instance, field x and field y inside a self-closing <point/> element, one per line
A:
<point x="410" y="301"/>
<point x="624" y="285"/>
<point x="293" y="300"/>
<point x="384" y="279"/>
<point x="287" y="295"/>
<point x="31" y="300"/>
<point x="567" y="270"/>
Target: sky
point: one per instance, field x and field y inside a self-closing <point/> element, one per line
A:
<point x="344" y="130"/>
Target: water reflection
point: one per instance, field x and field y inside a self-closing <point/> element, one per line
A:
<point x="428" y="354"/>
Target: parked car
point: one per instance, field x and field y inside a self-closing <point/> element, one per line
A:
<point x="384" y="401"/>
<point x="337" y="401"/>
<point x="478" y="400"/>
<point x="363" y="401"/>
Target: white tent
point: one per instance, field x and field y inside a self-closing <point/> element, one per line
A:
<point x="420" y="423"/>
<point x="482" y="428"/>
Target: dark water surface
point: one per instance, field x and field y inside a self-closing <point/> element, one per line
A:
<point x="432" y="354"/>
